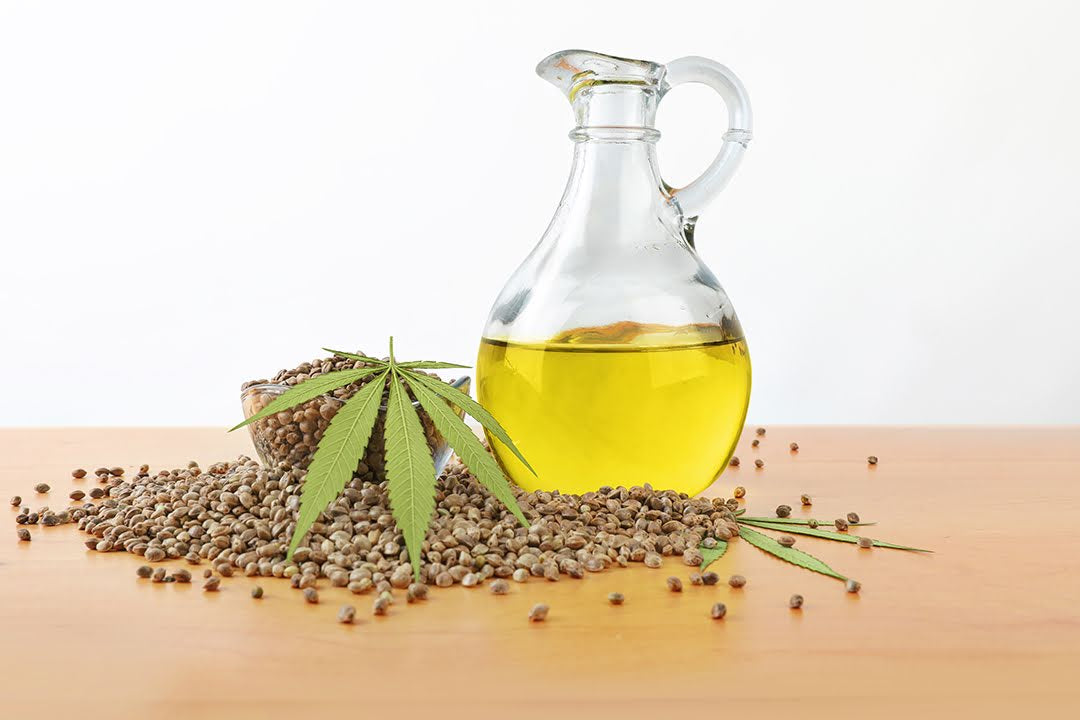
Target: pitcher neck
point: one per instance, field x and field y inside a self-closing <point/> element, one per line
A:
<point x="615" y="105"/>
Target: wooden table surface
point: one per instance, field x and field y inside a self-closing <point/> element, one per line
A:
<point x="988" y="625"/>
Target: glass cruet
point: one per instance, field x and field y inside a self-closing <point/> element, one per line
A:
<point x="613" y="356"/>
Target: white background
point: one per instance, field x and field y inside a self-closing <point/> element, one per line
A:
<point x="183" y="186"/>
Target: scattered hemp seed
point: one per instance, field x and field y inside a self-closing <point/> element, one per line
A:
<point x="674" y="584"/>
<point x="841" y="524"/>
<point x="806" y="500"/>
<point x="346" y="614"/>
<point x="783" y="511"/>
<point x="154" y="554"/>
<point x="311" y="595"/>
<point x="786" y="540"/>
<point x="794" y="447"/>
<point x="709" y="543"/>
<point x="16" y="501"/>
<point x="499" y="587"/>
<point x="419" y="591"/>
<point x="710" y="578"/>
<point x="257" y="592"/>
<point x="795" y="602"/>
<point x="616" y="598"/>
<point x="872" y="459"/>
<point x="852" y="586"/>
<point x="718" y="611"/>
<point x="692" y="557"/>
<point x="207" y="573"/>
<point x="212" y="584"/>
<point x="97" y="493"/>
<point x="759" y="463"/>
<point x="144" y="571"/>
<point x="866" y="543"/>
<point x="78" y="473"/>
<point x="77" y="495"/>
<point x="224" y="569"/>
<point x="760" y="431"/>
<point x="736" y="581"/>
<point x="740" y="492"/>
<point x="755" y="442"/>
<point x="159" y="575"/>
<point x="23" y="534"/>
<point x="811" y="523"/>
<point x="182" y="576"/>
<point x="734" y="461"/>
<point x="472" y="579"/>
<point x="653" y="560"/>
<point x="696" y="579"/>
<point x="853" y="518"/>
<point x="41" y="488"/>
<point x="538" y="613"/>
<point x="381" y="605"/>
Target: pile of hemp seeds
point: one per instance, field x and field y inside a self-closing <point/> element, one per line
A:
<point x="238" y="518"/>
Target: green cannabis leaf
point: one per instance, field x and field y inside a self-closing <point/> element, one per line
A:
<point x="410" y="470"/>
<point x="711" y="555"/>
<point x="790" y="521"/>
<point x="468" y="447"/>
<point x="341" y="446"/>
<point x="309" y="390"/>
<point x="827" y="534"/>
<point x="787" y="554"/>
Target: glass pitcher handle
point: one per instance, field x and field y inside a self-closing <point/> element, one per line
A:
<point x="693" y="198"/>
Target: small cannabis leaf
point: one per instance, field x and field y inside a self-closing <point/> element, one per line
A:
<point x="711" y="555"/>
<point x="789" y="520"/>
<point x="787" y="554"/>
<point x="410" y="471"/>
<point x="826" y="534"/>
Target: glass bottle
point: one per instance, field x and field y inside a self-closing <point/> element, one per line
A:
<point x="613" y="356"/>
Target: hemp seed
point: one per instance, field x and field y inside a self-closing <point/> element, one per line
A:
<point x="872" y="459"/>
<point x="696" y="579"/>
<point x="78" y="473"/>
<point x="866" y="543"/>
<point x="311" y="595"/>
<point x="794" y="447"/>
<point x="674" y="584"/>
<point x="841" y="524"/>
<point x="77" y="495"/>
<point x="710" y="578"/>
<point x="257" y="592"/>
<point x="24" y="534"/>
<point x="853" y="518"/>
<point x="760" y="431"/>
<point x="212" y="584"/>
<point x="736" y="581"/>
<point x="381" y="605"/>
<point x="538" y="613"/>
<point x="159" y="575"/>
<point x="740" y="492"/>
<point x="806" y="500"/>
<point x="786" y="540"/>
<point x="499" y="587"/>
<point x="653" y="560"/>
<point x="734" y="461"/>
<point x="144" y="571"/>
<point x="783" y="511"/>
<point x="795" y="602"/>
<point x="41" y="488"/>
<point x="16" y="501"/>
<point x="346" y="614"/>
<point x="182" y="576"/>
<point x="755" y="443"/>
<point x="811" y="523"/>
<point x="718" y="611"/>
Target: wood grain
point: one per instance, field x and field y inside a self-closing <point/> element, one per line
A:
<point x="987" y="626"/>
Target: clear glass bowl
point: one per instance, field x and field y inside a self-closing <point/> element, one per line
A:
<point x="291" y="437"/>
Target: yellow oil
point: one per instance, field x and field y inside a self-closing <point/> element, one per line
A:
<point x="624" y="404"/>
